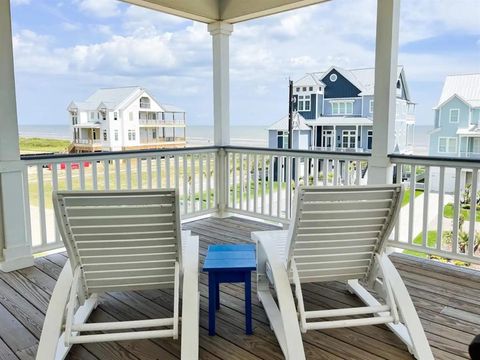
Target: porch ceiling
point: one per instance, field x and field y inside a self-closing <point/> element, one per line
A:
<point x="231" y="11"/>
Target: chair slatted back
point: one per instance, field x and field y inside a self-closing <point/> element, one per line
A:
<point x="335" y="231"/>
<point x="123" y="240"/>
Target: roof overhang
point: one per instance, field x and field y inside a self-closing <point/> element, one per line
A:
<point x="231" y="11"/>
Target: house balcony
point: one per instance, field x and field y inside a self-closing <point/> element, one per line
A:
<point x="85" y="145"/>
<point x="470" y="154"/>
<point x="256" y="193"/>
<point x="162" y="122"/>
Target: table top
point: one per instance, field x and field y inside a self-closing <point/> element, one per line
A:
<point x="230" y="257"/>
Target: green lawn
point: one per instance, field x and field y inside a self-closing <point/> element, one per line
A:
<point x="431" y="242"/>
<point x="448" y="213"/>
<point x="39" y="145"/>
<point x="406" y="196"/>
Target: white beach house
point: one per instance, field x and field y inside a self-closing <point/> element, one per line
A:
<point x="125" y="118"/>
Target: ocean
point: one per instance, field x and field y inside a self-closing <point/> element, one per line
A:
<point x="254" y="136"/>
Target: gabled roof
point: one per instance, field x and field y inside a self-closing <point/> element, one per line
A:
<point x="282" y="124"/>
<point x="171" y="108"/>
<point x="465" y="87"/>
<point x="363" y="79"/>
<point x="309" y="80"/>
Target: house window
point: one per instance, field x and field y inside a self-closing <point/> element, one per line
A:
<point x="105" y="135"/>
<point x="369" y="139"/>
<point x="297" y="89"/>
<point x="115" y="134"/>
<point x="447" y="145"/>
<point x="348" y="139"/>
<point x="304" y="88"/>
<point x="342" y="107"/>
<point x="282" y="139"/>
<point x="144" y="103"/>
<point x="333" y="77"/>
<point x="104" y="116"/>
<point x="131" y="135"/>
<point x="304" y="103"/>
<point x="310" y="88"/>
<point x="115" y="116"/>
<point x="74" y="119"/>
<point x="454" y="115"/>
<point x="371" y="106"/>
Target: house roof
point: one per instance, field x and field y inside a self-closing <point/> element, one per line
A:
<point x="171" y="108"/>
<point x="309" y="80"/>
<point x="282" y="124"/>
<point x="473" y="130"/>
<point x="363" y="79"/>
<point x="466" y="87"/>
<point x="340" y="121"/>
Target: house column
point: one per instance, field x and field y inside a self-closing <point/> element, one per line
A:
<point x="386" y="51"/>
<point x="334" y="142"/>
<point x="220" y="32"/>
<point x="356" y="137"/>
<point x="15" y="244"/>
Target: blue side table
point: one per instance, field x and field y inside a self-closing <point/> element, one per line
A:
<point x="227" y="264"/>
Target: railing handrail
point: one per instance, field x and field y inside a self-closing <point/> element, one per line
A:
<point x="34" y="159"/>
<point x="434" y="160"/>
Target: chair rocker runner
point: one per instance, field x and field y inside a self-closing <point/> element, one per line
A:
<point x="121" y="241"/>
<point x="336" y="234"/>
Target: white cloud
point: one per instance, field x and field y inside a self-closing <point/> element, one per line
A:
<point x="100" y="8"/>
<point x="68" y="26"/>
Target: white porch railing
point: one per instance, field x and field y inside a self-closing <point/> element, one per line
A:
<point x="260" y="183"/>
<point x="443" y="198"/>
<point x="191" y="171"/>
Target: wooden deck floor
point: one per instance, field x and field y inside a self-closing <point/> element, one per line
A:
<point x="447" y="300"/>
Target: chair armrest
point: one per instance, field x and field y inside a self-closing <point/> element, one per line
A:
<point x="190" y="298"/>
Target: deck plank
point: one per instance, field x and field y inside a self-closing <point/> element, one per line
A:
<point x="446" y="299"/>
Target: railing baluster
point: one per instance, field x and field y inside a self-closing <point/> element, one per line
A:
<point x="255" y="183"/>
<point x="68" y="170"/>
<point x="456" y="210"/>
<point x="234" y="180"/>
<point x="185" y="185"/>
<point x="270" y="183"/>
<point x="288" y="192"/>
<point x="315" y="171"/>
<point x="55" y="188"/>
<point x="241" y="184"/>
<point x="106" y="174"/>
<point x="441" y="192"/>
<point x="81" y="171"/>
<point x="411" y="212"/>
<point x="248" y="207"/>
<point x="473" y="211"/>
<point x="263" y="184"/>
<point x="149" y="172"/>
<point x="336" y="169"/>
<point x="306" y="168"/>
<point x="139" y="173"/>
<point x="426" y="195"/>
<point x="158" y="162"/>
<point x="398" y="181"/>
<point x="41" y="205"/>
<point x="279" y="185"/>
<point x="192" y="178"/>
<point x="358" y="174"/>
<point x="167" y="171"/>
<point x="325" y="171"/>
<point x="200" y="181"/>
<point x="209" y="179"/>
<point x="129" y="174"/>
<point x="176" y="168"/>
<point x="118" y="181"/>
<point x="94" y="175"/>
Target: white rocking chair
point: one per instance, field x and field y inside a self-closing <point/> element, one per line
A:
<point x="121" y="241"/>
<point x="336" y="234"/>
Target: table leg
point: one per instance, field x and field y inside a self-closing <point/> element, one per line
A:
<point x="212" y="284"/>
<point x="248" y="303"/>
<point x="217" y="295"/>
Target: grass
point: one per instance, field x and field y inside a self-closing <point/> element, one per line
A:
<point x="406" y="196"/>
<point x="431" y="242"/>
<point x="40" y="145"/>
<point x="448" y="212"/>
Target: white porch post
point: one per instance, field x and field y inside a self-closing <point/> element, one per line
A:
<point x="220" y="32"/>
<point x="388" y="16"/>
<point x="15" y="249"/>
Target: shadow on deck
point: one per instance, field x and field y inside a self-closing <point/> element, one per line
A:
<point x="447" y="300"/>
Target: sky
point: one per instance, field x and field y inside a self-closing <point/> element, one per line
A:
<point x="66" y="49"/>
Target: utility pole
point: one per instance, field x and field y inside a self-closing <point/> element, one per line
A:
<point x="290" y="113"/>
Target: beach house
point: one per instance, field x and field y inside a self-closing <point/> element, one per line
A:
<point x="336" y="109"/>
<point x="125" y="118"/>
<point x="457" y="118"/>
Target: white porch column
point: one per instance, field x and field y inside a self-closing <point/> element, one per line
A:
<point x="220" y="32"/>
<point x="386" y="51"/>
<point x="15" y="249"/>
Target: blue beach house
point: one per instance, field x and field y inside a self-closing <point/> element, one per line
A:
<point x="335" y="112"/>
<point x="457" y="118"/>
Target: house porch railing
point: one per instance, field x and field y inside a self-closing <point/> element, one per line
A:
<point x="260" y="183"/>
